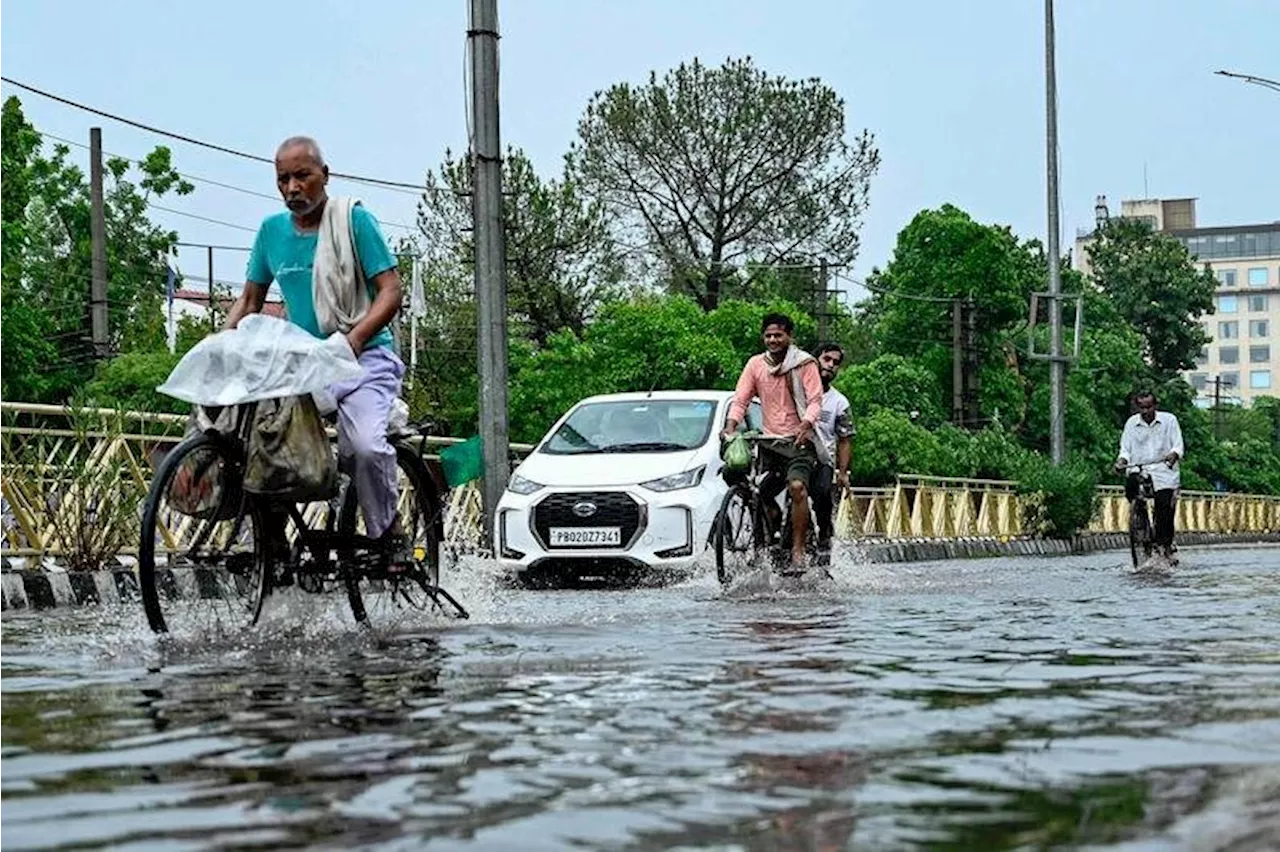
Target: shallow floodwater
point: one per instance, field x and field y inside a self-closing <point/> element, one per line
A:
<point x="989" y="704"/>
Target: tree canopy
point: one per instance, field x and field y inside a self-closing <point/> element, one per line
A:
<point x="704" y="169"/>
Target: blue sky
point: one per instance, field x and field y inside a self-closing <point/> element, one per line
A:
<point x="954" y="93"/>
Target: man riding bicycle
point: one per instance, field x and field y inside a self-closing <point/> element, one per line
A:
<point x="1152" y="436"/>
<point x="835" y="430"/>
<point x="311" y="251"/>
<point x="789" y="387"/>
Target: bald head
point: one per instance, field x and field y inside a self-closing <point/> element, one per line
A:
<point x="301" y="176"/>
<point x="304" y="144"/>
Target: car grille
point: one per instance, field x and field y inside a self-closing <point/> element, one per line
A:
<point x="613" y="509"/>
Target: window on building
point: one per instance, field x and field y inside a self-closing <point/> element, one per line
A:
<point x="1228" y="330"/>
<point x="1227" y="277"/>
<point x="1258" y="328"/>
<point x="1229" y="355"/>
<point x="1259" y="303"/>
<point x="1203" y="357"/>
<point x="1229" y="380"/>
<point x="1228" y="304"/>
<point x="1257" y="276"/>
<point x="1259" y="354"/>
<point x="1199" y="381"/>
<point x="1260" y="379"/>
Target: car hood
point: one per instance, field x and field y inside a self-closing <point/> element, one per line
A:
<point x="590" y="470"/>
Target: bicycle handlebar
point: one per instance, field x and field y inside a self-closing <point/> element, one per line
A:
<point x="761" y="436"/>
<point x="1134" y="468"/>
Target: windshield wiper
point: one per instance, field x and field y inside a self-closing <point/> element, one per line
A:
<point x="643" y="447"/>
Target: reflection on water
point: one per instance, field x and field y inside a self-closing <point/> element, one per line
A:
<point x="977" y="705"/>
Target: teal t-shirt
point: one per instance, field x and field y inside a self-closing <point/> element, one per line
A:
<point x="283" y="254"/>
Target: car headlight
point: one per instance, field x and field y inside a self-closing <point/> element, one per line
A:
<point x="519" y="485"/>
<point x="676" y="481"/>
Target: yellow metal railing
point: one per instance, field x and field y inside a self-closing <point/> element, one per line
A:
<point x="1197" y="511"/>
<point x="41" y="446"/>
<point x="931" y="507"/>
<point x="48" y="452"/>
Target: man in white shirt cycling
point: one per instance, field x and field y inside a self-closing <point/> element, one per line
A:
<point x="835" y="429"/>
<point x="1150" y="436"/>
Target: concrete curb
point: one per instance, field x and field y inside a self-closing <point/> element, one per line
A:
<point x="975" y="548"/>
<point x="42" y="589"/>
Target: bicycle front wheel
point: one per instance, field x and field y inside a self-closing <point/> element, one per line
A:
<point x="736" y="536"/>
<point x="202" y="557"/>
<point x="1139" y="532"/>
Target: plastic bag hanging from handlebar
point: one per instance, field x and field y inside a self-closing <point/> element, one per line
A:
<point x="737" y="453"/>
<point x="261" y="358"/>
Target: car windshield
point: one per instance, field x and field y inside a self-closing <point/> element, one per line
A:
<point x="634" y="426"/>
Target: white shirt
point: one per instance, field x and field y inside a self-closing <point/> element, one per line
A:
<point x="833" y="421"/>
<point x="1143" y="442"/>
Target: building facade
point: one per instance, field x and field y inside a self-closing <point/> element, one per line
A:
<point x="1242" y="360"/>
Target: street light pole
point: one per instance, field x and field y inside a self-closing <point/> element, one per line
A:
<point x="1057" y="365"/>
<point x="1249" y="78"/>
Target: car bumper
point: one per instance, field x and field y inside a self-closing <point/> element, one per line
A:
<point x="671" y="533"/>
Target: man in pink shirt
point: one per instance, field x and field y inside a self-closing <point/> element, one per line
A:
<point x="789" y="387"/>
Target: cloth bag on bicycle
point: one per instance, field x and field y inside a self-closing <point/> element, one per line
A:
<point x="197" y="489"/>
<point x="290" y="457"/>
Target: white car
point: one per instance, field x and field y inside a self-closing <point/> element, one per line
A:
<point x="623" y="488"/>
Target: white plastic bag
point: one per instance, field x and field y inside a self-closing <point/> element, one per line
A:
<point x="262" y="358"/>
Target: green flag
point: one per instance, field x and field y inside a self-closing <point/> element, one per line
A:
<point x="463" y="462"/>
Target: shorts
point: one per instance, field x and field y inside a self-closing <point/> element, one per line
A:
<point x="798" y="462"/>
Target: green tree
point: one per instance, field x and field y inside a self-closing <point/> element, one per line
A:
<point x="561" y="263"/>
<point x="944" y="255"/>
<point x="47" y="267"/>
<point x="719" y="166"/>
<point x="896" y="384"/>
<point x="1154" y="284"/>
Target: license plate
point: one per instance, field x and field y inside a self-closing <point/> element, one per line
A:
<point x="586" y="536"/>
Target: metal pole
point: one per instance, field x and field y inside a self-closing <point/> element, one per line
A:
<point x="972" y="361"/>
<point x="1057" y="366"/>
<point x="416" y="283"/>
<point x="821" y="305"/>
<point x="98" y="238"/>
<point x="213" y="316"/>
<point x="957" y="363"/>
<point x="490" y="267"/>
<point x="1217" y="406"/>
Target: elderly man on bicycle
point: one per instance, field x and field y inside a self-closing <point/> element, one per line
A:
<point x="311" y="250"/>
<point x="1152" y="443"/>
<point x="789" y="387"/>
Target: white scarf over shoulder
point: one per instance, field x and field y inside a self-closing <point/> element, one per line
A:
<point x="338" y="286"/>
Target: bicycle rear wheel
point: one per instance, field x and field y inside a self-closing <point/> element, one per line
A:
<point x="738" y="534"/>
<point x="379" y="598"/>
<point x="202" y="557"/>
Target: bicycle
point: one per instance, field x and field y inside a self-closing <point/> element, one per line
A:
<point x="218" y="531"/>
<point x="1141" y="527"/>
<point x="744" y="534"/>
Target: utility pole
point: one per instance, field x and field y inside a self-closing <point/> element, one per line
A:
<point x="1057" y="364"/>
<point x="1217" y="406"/>
<point x="98" y="237"/>
<point x="213" y="316"/>
<point x="957" y="362"/>
<point x="490" y="265"/>
<point x="822" y="305"/>
<point x="972" y="386"/>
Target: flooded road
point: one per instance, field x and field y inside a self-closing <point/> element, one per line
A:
<point x="989" y="704"/>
